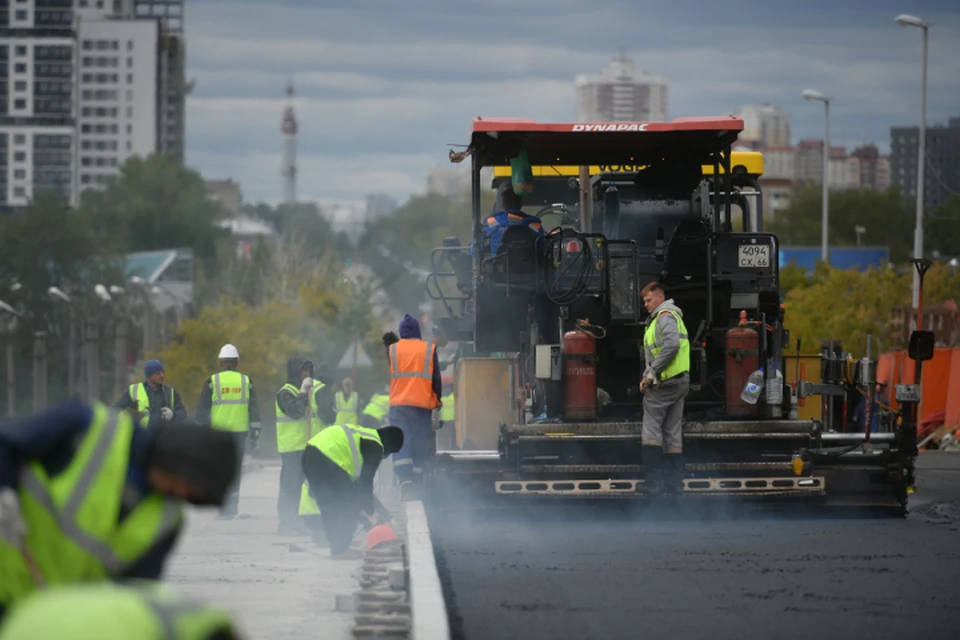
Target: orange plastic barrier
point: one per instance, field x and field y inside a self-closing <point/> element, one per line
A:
<point x="941" y="380"/>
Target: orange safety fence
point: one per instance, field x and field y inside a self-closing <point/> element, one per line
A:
<point x="940" y="390"/>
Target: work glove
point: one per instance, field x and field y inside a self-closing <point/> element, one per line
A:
<point x="439" y="425"/>
<point x="390" y="338"/>
<point x="13" y="529"/>
<point x="254" y="437"/>
<point x="166" y="413"/>
<point x="369" y="520"/>
<point x="649" y="380"/>
<point x="306" y="385"/>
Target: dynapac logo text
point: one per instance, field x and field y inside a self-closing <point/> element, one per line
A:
<point x="610" y="127"/>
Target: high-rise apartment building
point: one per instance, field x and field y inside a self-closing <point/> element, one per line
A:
<point x="942" y="171"/>
<point x="84" y="85"/>
<point x="621" y="93"/>
<point x="765" y="125"/>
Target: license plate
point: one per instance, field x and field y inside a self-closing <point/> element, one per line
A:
<point x="754" y="255"/>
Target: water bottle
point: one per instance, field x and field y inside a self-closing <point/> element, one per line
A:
<point x="751" y="390"/>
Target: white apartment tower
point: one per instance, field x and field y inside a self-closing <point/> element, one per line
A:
<point x="766" y="125"/>
<point x="84" y="85"/>
<point x="621" y="93"/>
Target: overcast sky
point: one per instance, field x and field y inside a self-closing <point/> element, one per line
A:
<point x="383" y="87"/>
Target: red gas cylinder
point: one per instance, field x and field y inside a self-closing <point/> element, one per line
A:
<point x="579" y="375"/>
<point x="743" y="358"/>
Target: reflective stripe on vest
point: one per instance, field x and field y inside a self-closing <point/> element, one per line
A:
<point x="653" y="343"/>
<point x="411" y="374"/>
<point x="342" y="446"/>
<point x="292" y="434"/>
<point x="229" y="407"/>
<point x="142" y="403"/>
<point x="67" y="517"/>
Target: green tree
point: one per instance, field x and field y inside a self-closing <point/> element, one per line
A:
<point x="884" y="215"/>
<point x="155" y="204"/>
<point x="847" y="306"/>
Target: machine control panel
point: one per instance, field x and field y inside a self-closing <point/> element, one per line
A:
<point x="908" y="393"/>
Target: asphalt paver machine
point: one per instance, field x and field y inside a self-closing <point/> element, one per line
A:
<point x="547" y="397"/>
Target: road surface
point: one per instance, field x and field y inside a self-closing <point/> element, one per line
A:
<point x="609" y="574"/>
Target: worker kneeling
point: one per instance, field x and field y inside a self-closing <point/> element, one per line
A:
<point x="339" y="464"/>
<point x="140" y="610"/>
<point x="85" y="495"/>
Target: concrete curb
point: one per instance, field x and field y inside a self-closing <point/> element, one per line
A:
<point x="427" y="605"/>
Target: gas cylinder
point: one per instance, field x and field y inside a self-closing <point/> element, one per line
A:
<point x="743" y="358"/>
<point x="579" y="375"/>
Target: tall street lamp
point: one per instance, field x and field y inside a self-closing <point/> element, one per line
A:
<point x="905" y="20"/>
<point x="810" y="94"/>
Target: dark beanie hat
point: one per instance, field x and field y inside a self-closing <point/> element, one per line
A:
<point x="203" y="456"/>
<point x="152" y="367"/>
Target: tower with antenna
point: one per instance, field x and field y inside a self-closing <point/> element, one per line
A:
<point x="289" y="129"/>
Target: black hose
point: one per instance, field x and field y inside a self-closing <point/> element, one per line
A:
<point x="580" y="268"/>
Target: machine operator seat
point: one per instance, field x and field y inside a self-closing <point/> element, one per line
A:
<point x="687" y="253"/>
<point x="516" y="259"/>
<point x="461" y="262"/>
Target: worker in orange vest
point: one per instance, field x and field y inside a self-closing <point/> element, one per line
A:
<point x="415" y="390"/>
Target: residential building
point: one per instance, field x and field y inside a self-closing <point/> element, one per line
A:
<point x="809" y="164"/>
<point x="942" y="170"/>
<point x="867" y="169"/>
<point x="765" y="125"/>
<point x="227" y="193"/>
<point x="621" y="93"/>
<point x="84" y="85"/>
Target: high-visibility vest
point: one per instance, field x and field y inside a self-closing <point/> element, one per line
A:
<point x="341" y="443"/>
<point x="292" y="434"/>
<point x="379" y="407"/>
<point x="653" y="343"/>
<point x="109" y="611"/>
<point x="449" y="409"/>
<point x="411" y="374"/>
<point x="141" y="401"/>
<point x="230" y="408"/>
<point x="347" y="407"/>
<point x="73" y="531"/>
<point x="308" y="506"/>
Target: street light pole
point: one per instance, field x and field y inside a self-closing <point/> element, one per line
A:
<point x="810" y="94"/>
<point x="905" y="20"/>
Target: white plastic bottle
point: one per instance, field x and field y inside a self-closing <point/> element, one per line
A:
<point x="751" y="390"/>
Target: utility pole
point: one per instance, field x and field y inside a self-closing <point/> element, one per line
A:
<point x="11" y="381"/>
<point x="93" y="361"/>
<point x="120" y="349"/>
<point x="72" y="355"/>
<point x="39" y="371"/>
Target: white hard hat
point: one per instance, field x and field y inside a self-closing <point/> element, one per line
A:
<point x="229" y="352"/>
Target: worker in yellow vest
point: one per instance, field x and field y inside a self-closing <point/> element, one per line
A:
<point x="448" y="411"/>
<point x="304" y="406"/>
<point x="376" y="410"/>
<point x="228" y="403"/>
<point x="340" y="463"/>
<point x="152" y="401"/>
<point x="86" y="495"/>
<point x="347" y="403"/>
<point x="137" y="609"/>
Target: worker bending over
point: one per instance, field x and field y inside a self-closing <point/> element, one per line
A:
<point x="304" y="408"/>
<point x="151" y="401"/>
<point x="340" y="463"/>
<point x="415" y="389"/>
<point x="347" y="403"/>
<point x="133" y="610"/>
<point x="86" y="495"/>
<point x="665" y="384"/>
<point x="228" y="403"/>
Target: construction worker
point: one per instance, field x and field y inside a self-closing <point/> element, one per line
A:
<point x="152" y="401"/>
<point x="665" y="384"/>
<point x="510" y="214"/>
<point x="300" y="396"/>
<point x="143" y="610"/>
<point x="340" y="463"/>
<point x="415" y="390"/>
<point x="377" y="409"/>
<point x="228" y="402"/>
<point x="347" y="403"/>
<point x="447" y="412"/>
<point x="86" y="495"/>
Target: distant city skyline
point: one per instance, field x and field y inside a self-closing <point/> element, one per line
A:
<point x="381" y="95"/>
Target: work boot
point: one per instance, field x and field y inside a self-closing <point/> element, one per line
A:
<point x="673" y="472"/>
<point x="653" y="470"/>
